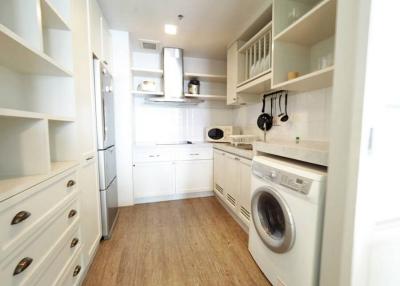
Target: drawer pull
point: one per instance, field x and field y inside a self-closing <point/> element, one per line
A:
<point x="74" y="242"/>
<point x="20" y="217"/>
<point x="72" y="213"/>
<point x="194" y="154"/>
<point x="22" y="265"/>
<point x="237" y="159"/>
<point x="70" y="183"/>
<point x="76" y="270"/>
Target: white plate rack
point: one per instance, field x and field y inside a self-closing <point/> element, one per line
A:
<point x="257" y="54"/>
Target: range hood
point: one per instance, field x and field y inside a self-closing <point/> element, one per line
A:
<point x="173" y="79"/>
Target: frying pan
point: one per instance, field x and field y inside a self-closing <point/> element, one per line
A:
<point x="264" y="120"/>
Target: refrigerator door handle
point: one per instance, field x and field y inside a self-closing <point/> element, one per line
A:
<point x="104" y="119"/>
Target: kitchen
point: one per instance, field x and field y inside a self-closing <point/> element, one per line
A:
<point x="198" y="143"/>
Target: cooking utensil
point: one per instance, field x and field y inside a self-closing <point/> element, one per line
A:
<point x="264" y="120"/>
<point x="280" y="106"/>
<point x="286" y="116"/>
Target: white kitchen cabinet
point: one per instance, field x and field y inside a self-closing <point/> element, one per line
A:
<point x="219" y="174"/>
<point x="244" y="198"/>
<point x="232" y="74"/>
<point x="232" y="180"/>
<point x="95" y="16"/>
<point x="106" y="42"/>
<point x="194" y="176"/>
<point x="153" y="179"/>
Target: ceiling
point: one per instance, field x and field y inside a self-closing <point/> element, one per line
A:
<point x="207" y="28"/>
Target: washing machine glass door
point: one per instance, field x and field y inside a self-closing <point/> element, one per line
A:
<point x="272" y="219"/>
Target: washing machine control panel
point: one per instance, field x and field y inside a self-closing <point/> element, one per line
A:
<point x="294" y="182"/>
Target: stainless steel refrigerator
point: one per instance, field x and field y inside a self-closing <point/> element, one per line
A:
<point x="104" y="101"/>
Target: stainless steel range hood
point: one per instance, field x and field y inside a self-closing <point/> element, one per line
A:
<point x="173" y="79"/>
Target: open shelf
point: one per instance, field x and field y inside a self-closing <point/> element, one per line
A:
<point x="206" y="96"/>
<point x="255" y="37"/>
<point x="313" y="27"/>
<point x="147" y="72"/>
<point x="156" y="93"/>
<point x="255" y="86"/>
<point x="311" y="81"/>
<point x="17" y="55"/>
<point x="205" y="77"/>
<point x="51" y="18"/>
<point x="5" y="112"/>
<point x="12" y="185"/>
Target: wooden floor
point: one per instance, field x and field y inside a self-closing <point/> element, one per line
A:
<point x="186" y="242"/>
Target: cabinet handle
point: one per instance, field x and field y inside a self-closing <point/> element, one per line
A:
<point x="20" y="217"/>
<point x="74" y="242"/>
<point x="89" y="158"/>
<point x="237" y="159"/>
<point x="76" y="270"/>
<point x="22" y="265"/>
<point x="194" y="154"/>
<point x="70" y="183"/>
<point x="72" y="213"/>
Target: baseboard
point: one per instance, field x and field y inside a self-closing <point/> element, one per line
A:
<point x="173" y="197"/>
<point x="93" y="251"/>
<point x="233" y="215"/>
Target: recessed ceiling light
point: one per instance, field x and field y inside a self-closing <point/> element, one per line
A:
<point x="170" y="29"/>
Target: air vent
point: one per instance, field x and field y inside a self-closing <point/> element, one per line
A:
<point x="219" y="189"/>
<point x="149" y="45"/>
<point x="245" y="213"/>
<point x="231" y="199"/>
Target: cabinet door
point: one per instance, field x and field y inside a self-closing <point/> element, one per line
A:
<point x="95" y="28"/>
<point x="106" y="43"/>
<point x="194" y="176"/>
<point x="219" y="183"/>
<point x="232" y="65"/>
<point x="232" y="179"/>
<point x="244" y="198"/>
<point x="153" y="179"/>
<point x="90" y="205"/>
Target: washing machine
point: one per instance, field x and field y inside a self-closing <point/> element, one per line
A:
<point x="287" y="203"/>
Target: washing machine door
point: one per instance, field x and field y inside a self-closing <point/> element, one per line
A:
<point x="272" y="219"/>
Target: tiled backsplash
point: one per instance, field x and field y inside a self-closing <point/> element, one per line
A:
<point x="308" y="117"/>
<point x="168" y="123"/>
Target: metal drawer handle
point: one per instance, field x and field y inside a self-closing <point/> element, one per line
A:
<point x="76" y="270"/>
<point x="70" y="183"/>
<point x="74" y="242"/>
<point x="20" y="217"/>
<point x="237" y="159"/>
<point x="89" y="158"/>
<point x="22" y="265"/>
<point x="72" y="213"/>
<point x="194" y="154"/>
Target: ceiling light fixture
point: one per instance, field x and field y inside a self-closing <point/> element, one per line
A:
<point x="170" y="29"/>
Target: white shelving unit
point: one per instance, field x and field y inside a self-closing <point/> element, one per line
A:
<point x="37" y="103"/>
<point x="255" y="85"/>
<point x="145" y="93"/>
<point x="305" y="46"/>
<point x="206" y="96"/>
<point x="147" y="72"/>
<point x="205" y="77"/>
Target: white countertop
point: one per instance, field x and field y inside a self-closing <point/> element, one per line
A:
<point x="248" y="154"/>
<point x="315" y="152"/>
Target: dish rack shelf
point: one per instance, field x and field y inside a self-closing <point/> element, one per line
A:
<point x="256" y="56"/>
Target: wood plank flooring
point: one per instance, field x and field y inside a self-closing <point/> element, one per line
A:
<point x="186" y="242"/>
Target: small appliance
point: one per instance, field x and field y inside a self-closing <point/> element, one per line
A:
<point x="221" y="133"/>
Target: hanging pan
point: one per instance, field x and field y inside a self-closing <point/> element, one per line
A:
<point x="264" y="121"/>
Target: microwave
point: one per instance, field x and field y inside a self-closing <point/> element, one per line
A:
<point x="221" y="133"/>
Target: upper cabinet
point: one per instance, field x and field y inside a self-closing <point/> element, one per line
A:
<point x="100" y="36"/>
<point x="294" y="50"/>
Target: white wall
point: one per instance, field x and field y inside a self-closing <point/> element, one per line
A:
<point x="309" y="117"/>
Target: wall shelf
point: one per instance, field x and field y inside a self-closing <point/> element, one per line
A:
<point x="156" y="93"/>
<point x="17" y="55"/>
<point x="147" y="72"/>
<point x="205" y="77"/>
<point x="313" y="27"/>
<point x="206" y="96"/>
<point x="255" y="37"/>
<point x="255" y="86"/>
<point x="311" y="81"/>
<point x="51" y="18"/>
<point x="5" y="112"/>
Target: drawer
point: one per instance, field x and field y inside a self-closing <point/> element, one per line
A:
<point x="24" y="213"/>
<point x="37" y="248"/>
<point x="194" y="153"/>
<point x="71" y="246"/>
<point x="153" y="154"/>
<point x="72" y="275"/>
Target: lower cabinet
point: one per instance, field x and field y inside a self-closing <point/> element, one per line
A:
<point x="194" y="176"/>
<point x="232" y="183"/>
<point x="153" y="179"/>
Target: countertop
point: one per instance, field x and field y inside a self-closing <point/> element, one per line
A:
<point x="248" y="154"/>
